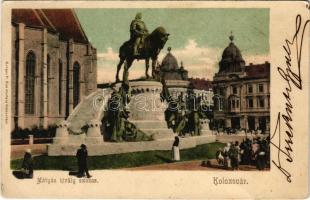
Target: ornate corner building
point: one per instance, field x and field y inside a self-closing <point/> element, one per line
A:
<point x="241" y="93"/>
<point x="54" y="66"/>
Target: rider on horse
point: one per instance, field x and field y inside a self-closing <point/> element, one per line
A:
<point x="138" y="31"/>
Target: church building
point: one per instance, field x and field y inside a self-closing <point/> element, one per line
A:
<point x="241" y="93"/>
<point x="54" y="66"/>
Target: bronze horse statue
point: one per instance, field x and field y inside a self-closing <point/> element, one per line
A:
<point x="150" y="49"/>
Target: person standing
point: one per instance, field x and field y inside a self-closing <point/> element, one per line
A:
<point x="27" y="165"/>
<point x="175" y="149"/>
<point x="227" y="163"/>
<point x="81" y="156"/>
<point x="233" y="155"/>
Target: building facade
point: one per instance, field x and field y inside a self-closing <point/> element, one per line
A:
<point x="241" y="93"/>
<point x="54" y="66"/>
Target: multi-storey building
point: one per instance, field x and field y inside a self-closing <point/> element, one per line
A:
<point x="241" y="93"/>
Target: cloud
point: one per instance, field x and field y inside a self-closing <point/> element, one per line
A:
<point x="107" y="66"/>
<point x="110" y="55"/>
<point x="200" y="61"/>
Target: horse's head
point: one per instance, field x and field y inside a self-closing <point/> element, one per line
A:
<point x="160" y="36"/>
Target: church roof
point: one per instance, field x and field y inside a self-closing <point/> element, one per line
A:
<point x="63" y="21"/>
<point x="169" y="62"/>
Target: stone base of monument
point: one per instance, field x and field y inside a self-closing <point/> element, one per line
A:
<point x="106" y="148"/>
<point x="146" y="109"/>
<point x="156" y="129"/>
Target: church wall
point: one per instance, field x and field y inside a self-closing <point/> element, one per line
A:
<point x="92" y="73"/>
<point x="53" y="52"/>
<point x="63" y="45"/>
<point x="79" y="56"/>
<point x="88" y="79"/>
<point x="33" y="42"/>
<point x="57" y="50"/>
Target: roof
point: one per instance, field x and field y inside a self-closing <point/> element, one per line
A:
<point x="169" y="62"/>
<point x="258" y="70"/>
<point x="232" y="60"/>
<point x="63" y="21"/>
<point x="232" y="53"/>
<point x="200" y="84"/>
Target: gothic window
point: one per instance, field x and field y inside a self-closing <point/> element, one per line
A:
<point x="29" y="83"/>
<point x="60" y="87"/>
<point x="76" y="83"/>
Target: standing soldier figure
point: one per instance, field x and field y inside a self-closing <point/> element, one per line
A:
<point x="137" y="32"/>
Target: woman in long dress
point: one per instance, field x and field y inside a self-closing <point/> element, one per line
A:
<point x="175" y="149"/>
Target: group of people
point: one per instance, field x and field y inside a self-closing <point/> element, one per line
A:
<point x="81" y="155"/>
<point x="230" y="131"/>
<point x="254" y="152"/>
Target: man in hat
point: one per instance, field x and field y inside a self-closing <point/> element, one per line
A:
<point x="137" y="31"/>
<point x="81" y="156"/>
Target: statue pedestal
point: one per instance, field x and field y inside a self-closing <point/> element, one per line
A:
<point x="62" y="134"/>
<point x="147" y="110"/>
<point x="93" y="135"/>
<point x="205" y="127"/>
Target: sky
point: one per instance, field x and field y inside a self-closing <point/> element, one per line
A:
<point x="197" y="36"/>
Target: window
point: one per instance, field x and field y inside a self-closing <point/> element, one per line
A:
<point x="237" y="104"/>
<point x="250" y="103"/>
<point x="261" y="102"/>
<point x="60" y="87"/>
<point x="250" y="89"/>
<point x="260" y="88"/>
<point x="234" y="88"/>
<point x="218" y="102"/>
<point x="76" y="84"/>
<point x="29" y="83"/>
<point x="232" y="104"/>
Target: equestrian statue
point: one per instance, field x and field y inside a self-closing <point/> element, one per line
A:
<point x="141" y="45"/>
